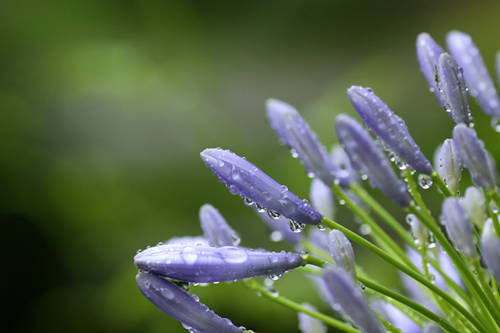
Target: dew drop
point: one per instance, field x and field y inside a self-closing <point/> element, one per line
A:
<point x="424" y="181"/>
<point x="234" y="255"/>
<point x="189" y="255"/>
<point x="276" y="236"/>
<point x="248" y="202"/>
<point x="259" y="208"/>
<point x="365" y="229"/>
<point x="272" y="214"/>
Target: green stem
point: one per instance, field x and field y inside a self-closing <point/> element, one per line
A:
<point x="402" y="267"/>
<point x="441" y="184"/>
<point x="384" y="214"/>
<point x="408" y="302"/>
<point x="469" y="279"/>
<point x="252" y="284"/>
<point x="381" y="236"/>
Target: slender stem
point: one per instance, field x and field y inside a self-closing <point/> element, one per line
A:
<point x="312" y="260"/>
<point x="408" y="302"/>
<point x="252" y="284"/>
<point x="383" y="213"/>
<point x="310" y="247"/>
<point x="387" y="324"/>
<point x="480" y="276"/>
<point x="463" y="269"/>
<point x="441" y="184"/>
<point x="381" y="236"/>
<point x="402" y="267"/>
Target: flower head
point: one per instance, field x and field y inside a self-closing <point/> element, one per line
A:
<point x="490" y="247"/>
<point x="458" y="227"/>
<point x="340" y="249"/>
<point x="448" y="164"/>
<point x="474" y="204"/>
<point x="322" y="198"/>
<point x="428" y="52"/>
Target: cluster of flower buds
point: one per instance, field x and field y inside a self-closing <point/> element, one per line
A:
<point x="451" y="272"/>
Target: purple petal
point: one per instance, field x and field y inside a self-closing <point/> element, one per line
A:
<point x="341" y="251"/>
<point x="182" y="306"/>
<point x="322" y="198"/>
<point x="216" y="229"/>
<point x="294" y="131"/>
<point x="481" y="86"/>
<point x="448" y="165"/>
<point x="490" y="247"/>
<point x="453" y="90"/>
<point x="474" y="204"/>
<point x="458" y="227"/>
<point x="206" y="264"/>
<point x="428" y="52"/>
<point x="474" y="156"/>
<point x="352" y="302"/>
<point x="340" y="159"/>
<point x="369" y="160"/>
<point x="308" y="324"/>
<point x="243" y="178"/>
<point x="390" y="128"/>
<point x="396" y="317"/>
<point x="319" y="238"/>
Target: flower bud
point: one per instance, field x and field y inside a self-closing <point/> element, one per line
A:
<point x="294" y="131"/>
<point x="390" y="128"/>
<point x="350" y="299"/>
<point x="448" y="165"/>
<point x="458" y="227"/>
<point x="395" y="316"/>
<point x="308" y="324"/>
<point x="474" y="204"/>
<point x="319" y="238"/>
<point x="453" y="90"/>
<point x="481" y="86"/>
<point x="216" y="229"/>
<point x="243" y="178"/>
<point x="341" y="251"/>
<point x="322" y="198"/>
<point x="472" y="153"/>
<point x="428" y="52"/>
<point x="204" y="264"/>
<point x="367" y="158"/>
<point x="490" y="247"/>
<point x="341" y="160"/>
<point x="182" y="306"/>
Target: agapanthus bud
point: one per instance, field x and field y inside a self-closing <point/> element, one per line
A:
<point x="458" y="227"/>
<point x="448" y="164"/>
<point x="182" y="306"/>
<point x="419" y="232"/>
<point x="324" y="293"/>
<point x="319" y="238"/>
<point x="341" y="160"/>
<point x="432" y="328"/>
<point x="389" y="127"/>
<point x="490" y="247"/>
<point x="428" y="52"/>
<point x="395" y="316"/>
<point x="243" y="178"/>
<point x="281" y="228"/>
<point x="322" y="198"/>
<point x="350" y="299"/>
<point x="367" y="158"/>
<point x="341" y="251"/>
<point x="474" y="204"/>
<point x="453" y="90"/>
<point x="294" y="131"/>
<point x="472" y="153"/>
<point x="216" y="229"/>
<point x="308" y="324"/>
<point x="207" y="264"/>
<point x="481" y="86"/>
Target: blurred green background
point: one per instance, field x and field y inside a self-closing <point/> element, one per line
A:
<point x="105" y="106"/>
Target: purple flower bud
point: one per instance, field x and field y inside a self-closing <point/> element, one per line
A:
<point x="324" y="293"/>
<point x="281" y="228"/>
<point x="296" y="133"/>
<point x="453" y="90"/>
<point x="474" y="156"/>
<point x="350" y="299"/>
<point x="490" y="247"/>
<point x="448" y="165"/>
<point x="395" y="316"/>
<point x="428" y="52"/>
<point x="206" y="264"/>
<point x="341" y="251"/>
<point x="322" y="198"/>
<point x="341" y="160"/>
<point x="458" y="227"/>
<point x="419" y="232"/>
<point x="216" y="229"/>
<point x="474" y="204"/>
<point x="367" y="158"/>
<point x="243" y="178"/>
<point x="467" y="55"/>
<point x="390" y="128"/>
<point x="319" y="238"/>
<point x="308" y="324"/>
<point x="182" y="306"/>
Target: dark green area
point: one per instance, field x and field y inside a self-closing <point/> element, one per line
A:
<point x="105" y="106"/>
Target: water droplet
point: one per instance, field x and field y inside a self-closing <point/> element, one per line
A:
<point x="424" y="181"/>
<point x="189" y="255"/>
<point x="275" y="277"/>
<point x="493" y="207"/>
<point x="276" y="236"/>
<point x="234" y="255"/>
<point x="259" y="208"/>
<point x="310" y="175"/>
<point x="321" y="227"/>
<point x="272" y="214"/>
<point x="365" y="229"/>
<point x="295" y="226"/>
<point x="341" y="202"/>
<point x="294" y="153"/>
